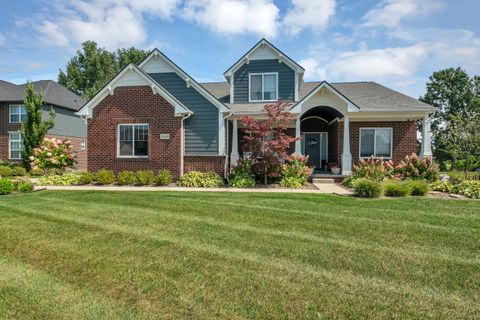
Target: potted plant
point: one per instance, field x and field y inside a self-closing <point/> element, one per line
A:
<point x="334" y="167"/>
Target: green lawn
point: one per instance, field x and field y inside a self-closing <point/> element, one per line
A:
<point x="109" y="255"/>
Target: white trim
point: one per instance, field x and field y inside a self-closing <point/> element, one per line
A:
<point x="426" y="149"/>
<point x="221" y="135"/>
<point x="188" y="80"/>
<point x="263" y="86"/>
<point x="374" y="142"/>
<point x="133" y="141"/>
<point x="316" y="117"/>
<point x="296" y="88"/>
<point x="232" y="89"/>
<point x="10" y="145"/>
<point x="22" y="106"/>
<point x="86" y="111"/>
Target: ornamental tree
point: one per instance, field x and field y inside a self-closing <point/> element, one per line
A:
<point x="53" y="154"/>
<point x="267" y="138"/>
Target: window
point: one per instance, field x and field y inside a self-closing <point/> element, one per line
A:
<point x="15" y="143"/>
<point x="133" y="140"/>
<point x="376" y="142"/>
<point x="263" y="87"/>
<point x="18" y="113"/>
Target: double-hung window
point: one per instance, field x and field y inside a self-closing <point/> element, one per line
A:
<point x="18" y="113"/>
<point x="15" y="145"/>
<point x="133" y="140"/>
<point x="263" y="87"/>
<point x="376" y="142"/>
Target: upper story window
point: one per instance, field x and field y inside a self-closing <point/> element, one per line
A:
<point x="263" y="86"/>
<point x="18" y="113"/>
<point x="376" y="142"/>
<point x="132" y="140"/>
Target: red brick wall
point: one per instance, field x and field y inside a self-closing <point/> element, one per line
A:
<point x="205" y="163"/>
<point x="134" y="105"/>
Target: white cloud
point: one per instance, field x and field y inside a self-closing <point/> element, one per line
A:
<point x="313" y="69"/>
<point x="52" y="34"/>
<point x="313" y="14"/>
<point x="234" y="17"/>
<point x="390" y="13"/>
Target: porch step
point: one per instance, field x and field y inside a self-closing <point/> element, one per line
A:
<point x="322" y="180"/>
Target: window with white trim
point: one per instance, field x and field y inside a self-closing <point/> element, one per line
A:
<point x="263" y="86"/>
<point x="18" y="113"/>
<point x="15" y="143"/>
<point x="133" y="140"/>
<point x="376" y="142"/>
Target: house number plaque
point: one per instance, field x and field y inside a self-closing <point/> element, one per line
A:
<point x="164" y="136"/>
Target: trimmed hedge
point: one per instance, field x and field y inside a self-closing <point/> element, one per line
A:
<point x="126" y="178"/>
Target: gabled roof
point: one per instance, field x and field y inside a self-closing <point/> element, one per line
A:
<point x="141" y="79"/>
<point x="263" y="42"/>
<point x="188" y="79"/>
<point x="53" y="93"/>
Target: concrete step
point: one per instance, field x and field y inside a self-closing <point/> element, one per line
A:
<point x="322" y="180"/>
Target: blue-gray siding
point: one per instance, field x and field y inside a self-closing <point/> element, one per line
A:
<point x="201" y="129"/>
<point x="66" y="123"/>
<point x="286" y="79"/>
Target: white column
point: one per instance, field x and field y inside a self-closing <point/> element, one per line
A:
<point x="426" y="150"/>
<point x="346" y="155"/>
<point x="298" y="143"/>
<point x="234" y="156"/>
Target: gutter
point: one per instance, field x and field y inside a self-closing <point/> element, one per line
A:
<point x="182" y="141"/>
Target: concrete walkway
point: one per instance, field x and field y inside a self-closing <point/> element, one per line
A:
<point x="331" y="188"/>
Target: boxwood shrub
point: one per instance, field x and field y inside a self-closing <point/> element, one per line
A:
<point x="145" y="177"/>
<point x="126" y="178"/>
<point x="6" y="186"/>
<point x="367" y="188"/>
<point x="164" y="177"/>
<point x="104" y="176"/>
<point x="85" y="178"/>
<point x="396" y="188"/>
<point x="6" y="171"/>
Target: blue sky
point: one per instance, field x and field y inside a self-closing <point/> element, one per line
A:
<point x="398" y="43"/>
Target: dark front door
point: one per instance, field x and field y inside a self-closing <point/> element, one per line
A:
<point x="316" y="148"/>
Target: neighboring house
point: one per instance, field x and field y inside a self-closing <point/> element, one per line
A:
<point x="67" y="124"/>
<point x="155" y="115"/>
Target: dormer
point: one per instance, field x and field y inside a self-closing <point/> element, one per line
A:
<point x="264" y="74"/>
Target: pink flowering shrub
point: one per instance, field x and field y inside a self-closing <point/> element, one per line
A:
<point x="295" y="173"/>
<point x="374" y="169"/>
<point x="53" y="154"/>
<point x="413" y="167"/>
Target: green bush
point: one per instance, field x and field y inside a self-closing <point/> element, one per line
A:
<point x="6" y="171"/>
<point x="349" y="182"/>
<point x="164" y="177"/>
<point x="396" y="188"/>
<point x="36" y="172"/>
<point x="468" y="188"/>
<point x="418" y="188"/>
<point x="366" y="188"/>
<point x="145" y="177"/>
<point x="241" y="180"/>
<point x="456" y="177"/>
<point x="292" y="182"/>
<point x="67" y="179"/>
<point x="126" y="178"/>
<point x="85" y="178"/>
<point x="295" y="173"/>
<point x="201" y="179"/>
<point x="23" y="184"/>
<point x="442" y="186"/>
<point x="19" y="171"/>
<point x="104" y="176"/>
<point x="6" y="186"/>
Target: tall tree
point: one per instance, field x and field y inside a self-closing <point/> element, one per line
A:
<point x="455" y="95"/>
<point x="93" y="67"/>
<point x="35" y="128"/>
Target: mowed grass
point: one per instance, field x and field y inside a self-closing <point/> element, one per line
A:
<point x="113" y="255"/>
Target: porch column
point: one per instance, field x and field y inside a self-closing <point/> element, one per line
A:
<point x="234" y="156"/>
<point x="298" y="143"/>
<point x="426" y="150"/>
<point x="346" y="155"/>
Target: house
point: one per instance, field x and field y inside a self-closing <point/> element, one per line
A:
<point x="155" y="115"/>
<point x="67" y="124"/>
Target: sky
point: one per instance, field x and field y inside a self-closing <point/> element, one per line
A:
<point x="398" y="43"/>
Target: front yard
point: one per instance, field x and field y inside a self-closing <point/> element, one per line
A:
<point x="192" y="255"/>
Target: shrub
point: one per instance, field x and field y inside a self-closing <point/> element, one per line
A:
<point x="19" y="171"/>
<point x="456" y="177"/>
<point x="126" y="178"/>
<point x="417" y="169"/>
<point x="201" y="179"/>
<point x="367" y="188"/>
<point x="85" y="178"/>
<point x="349" y="182"/>
<point x="373" y="169"/>
<point x="145" y="177"/>
<point x="67" y="179"/>
<point x="36" y="172"/>
<point x="396" y="188"/>
<point x="6" y="171"/>
<point x="442" y="186"/>
<point x="23" y="184"/>
<point x="53" y="154"/>
<point x="468" y="188"/>
<point x="241" y="180"/>
<point x="164" y="177"/>
<point x="295" y="173"/>
<point x="104" y="176"/>
<point x="418" y="188"/>
<point x="6" y="186"/>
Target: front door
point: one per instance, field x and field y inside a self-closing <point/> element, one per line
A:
<point x="316" y="148"/>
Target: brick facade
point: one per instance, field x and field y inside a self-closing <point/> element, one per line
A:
<point x="134" y="105"/>
<point x="205" y="163"/>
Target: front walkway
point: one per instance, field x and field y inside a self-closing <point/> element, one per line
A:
<point x="327" y="188"/>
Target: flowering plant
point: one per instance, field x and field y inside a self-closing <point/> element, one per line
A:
<point x="374" y="169"/>
<point x="414" y="167"/>
<point x="296" y="172"/>
<point x="53" y="154"/>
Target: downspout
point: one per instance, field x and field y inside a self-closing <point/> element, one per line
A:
<point x="225" y="167"/>
<point x="182" y="142"/>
